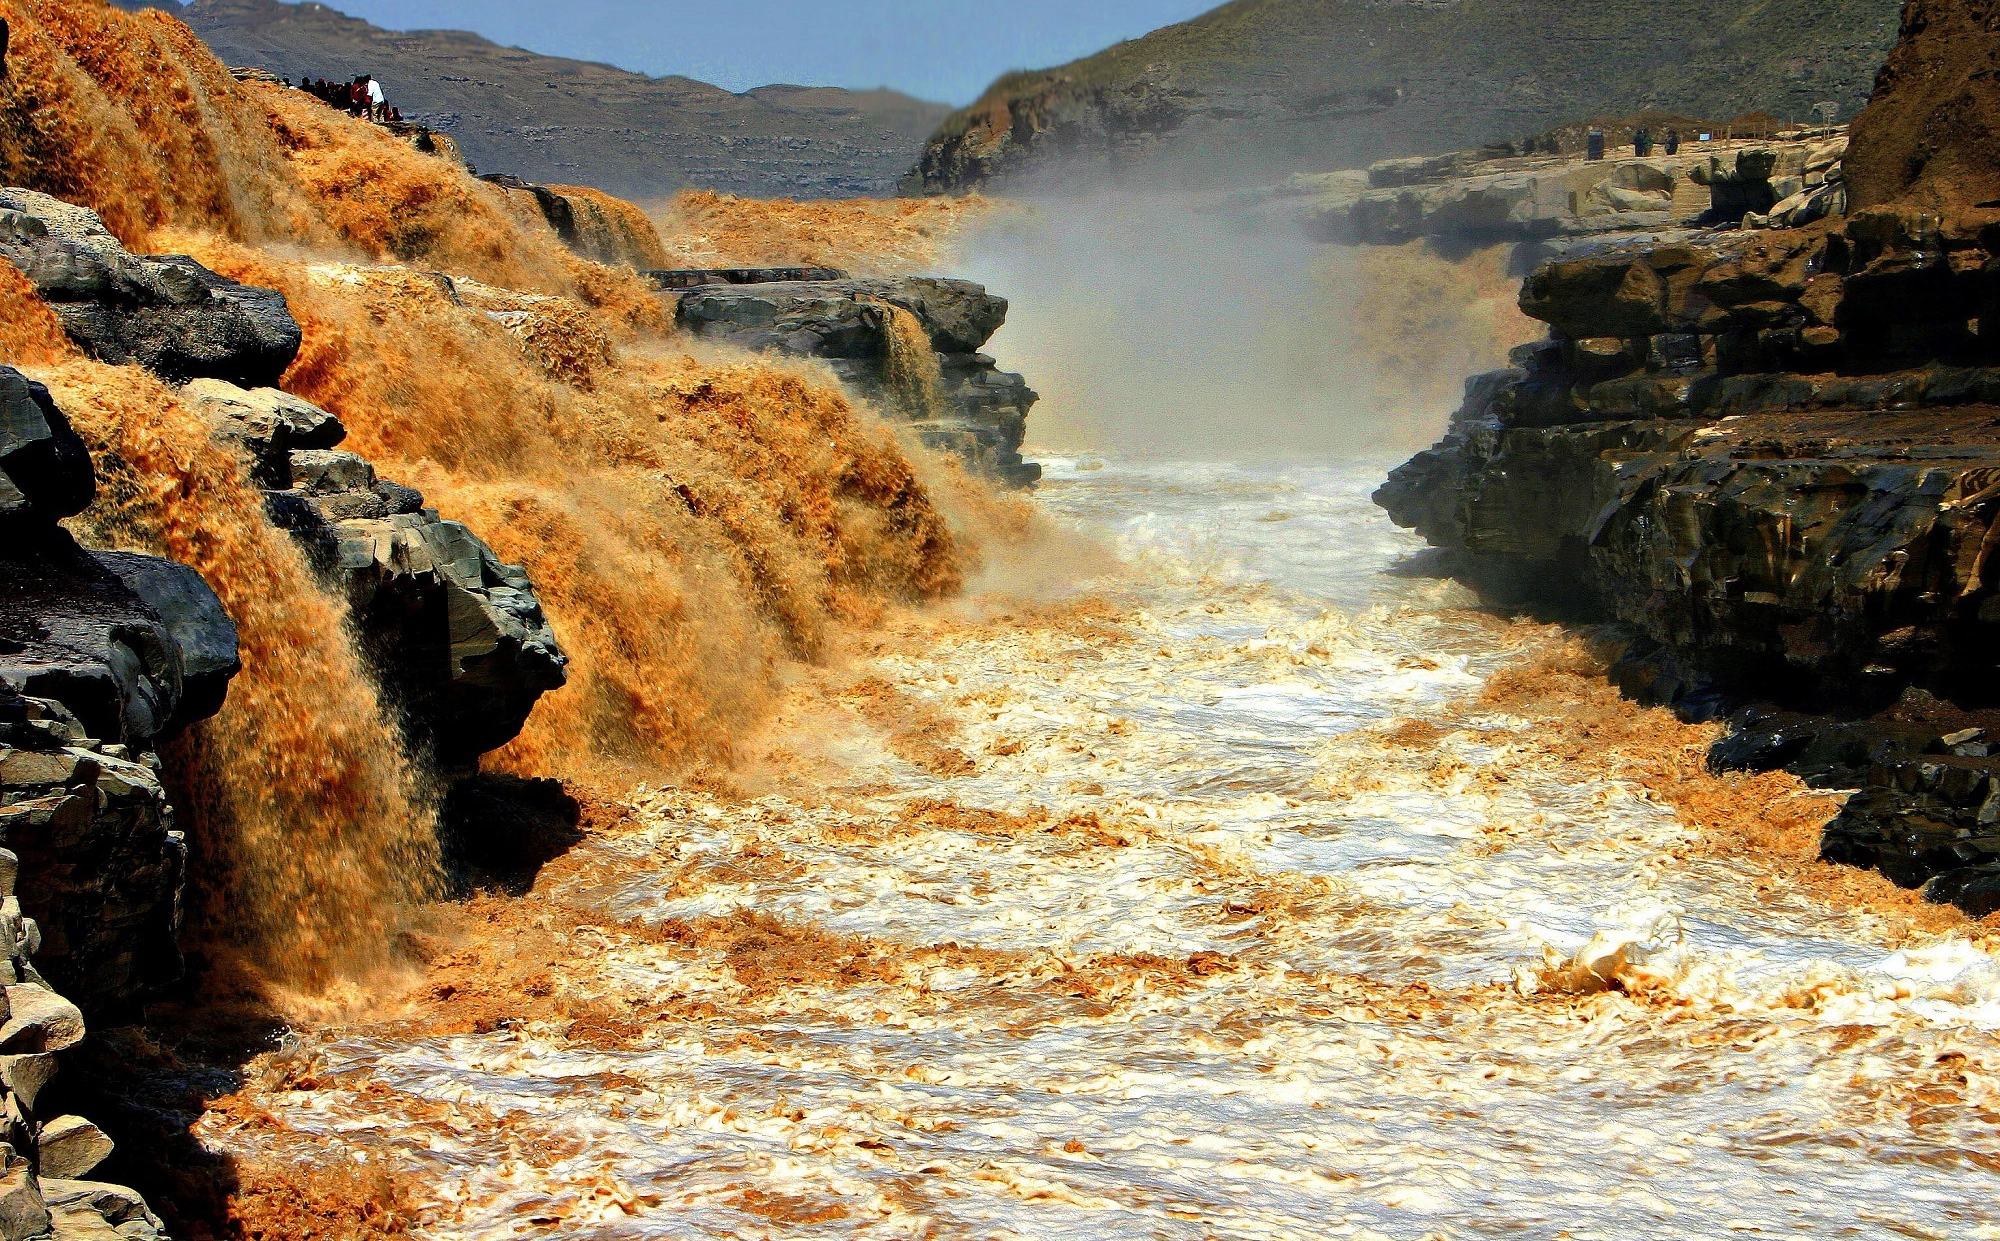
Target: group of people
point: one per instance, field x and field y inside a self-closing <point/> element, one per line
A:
<point x="1642" y="142"/>
<point x="1594" y="147"/>
<point x="362" y="97"/>
<point x="1595" y="144"/>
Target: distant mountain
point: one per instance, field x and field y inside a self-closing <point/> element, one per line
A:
<point x="552" y="120"/>
<point x="1260" y="88"/>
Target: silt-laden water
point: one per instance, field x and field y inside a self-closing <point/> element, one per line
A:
<point x="1122" y="916"/>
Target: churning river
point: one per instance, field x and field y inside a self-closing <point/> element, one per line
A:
<point x="1210" y="899"/>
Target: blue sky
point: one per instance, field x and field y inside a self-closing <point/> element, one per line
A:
<point x="947" y="50"/>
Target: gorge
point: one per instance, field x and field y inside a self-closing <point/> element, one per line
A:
<point x="522" y="715"/>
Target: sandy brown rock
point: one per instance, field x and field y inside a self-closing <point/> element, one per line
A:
<point x="1930" y="138"/>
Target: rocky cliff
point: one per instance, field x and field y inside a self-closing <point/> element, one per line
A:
<point x="1267" y="87"/>
<point x="1493" y="195"/>
<point x="1772" y="455"/>
<point x="458" y="637"/>
<point x="102" y="656"/>
<point x="959" y="401"/>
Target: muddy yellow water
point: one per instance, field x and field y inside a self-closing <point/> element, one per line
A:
<point x="1204" y="901"/>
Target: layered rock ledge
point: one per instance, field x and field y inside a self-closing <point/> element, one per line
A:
<point x="1484" y="197"/>
<point x="1773" y="457"/>
<point x="90" y="864"/>
<point x="980" y="412"/>
<point x="166" y="312"/>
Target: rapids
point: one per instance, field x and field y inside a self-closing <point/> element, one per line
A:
<point x="1207" y="900"/>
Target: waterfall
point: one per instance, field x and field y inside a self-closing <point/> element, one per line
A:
<point x="910" y="366"/>
<point x="313" y="827"/>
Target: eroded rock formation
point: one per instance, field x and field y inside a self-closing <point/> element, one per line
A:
<point x="167" y="312"/>
<point x="459" y="638"/>
<point x="1773" y="455"/>
<point x="116" y="652"/>
<point x="982" y="411"/>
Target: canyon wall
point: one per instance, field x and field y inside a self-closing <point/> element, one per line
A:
<point x="1770" y="454"/>
<point x="1261" y="88"/>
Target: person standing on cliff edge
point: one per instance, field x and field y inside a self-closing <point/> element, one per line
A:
<point x="378" y="104"/>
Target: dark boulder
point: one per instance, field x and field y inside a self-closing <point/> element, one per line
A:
<point x="135" y="646"/>
<point x="73" y="631"/>
<point x="45" y="470"/>
<point x="167" y="313"/>
<point x="202" y="631"/>
<point x="88" y="630"/>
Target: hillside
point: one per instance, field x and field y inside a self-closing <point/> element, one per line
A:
<point x="1263" y="87"/>
<point x="547" y="119"/>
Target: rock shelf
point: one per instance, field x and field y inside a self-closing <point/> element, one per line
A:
<point x="1771" y="454"/>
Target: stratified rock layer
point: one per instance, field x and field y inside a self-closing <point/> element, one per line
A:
<point x="459" y="637"/>
<point x="168" y="313"/>
<point x="983" y="413"/>
<point x="1773" y="455"/>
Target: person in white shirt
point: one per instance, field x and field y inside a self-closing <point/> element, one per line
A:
<point x="378" y="104"/>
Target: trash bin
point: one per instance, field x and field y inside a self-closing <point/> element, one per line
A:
<point x="1596" y="145"/>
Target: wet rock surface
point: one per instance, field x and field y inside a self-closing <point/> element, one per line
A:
<point x="460" y="638"/>
<point x="118" y="652"/>
<point x="137" y="647"/>
<point x="1772" y="455"/>
<point x="984" y="410"/>
<point x="167" y="313"/>
<point x="44" y="466"/>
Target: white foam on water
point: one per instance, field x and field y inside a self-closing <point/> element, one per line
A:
<point x="1374" y="1050"/>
